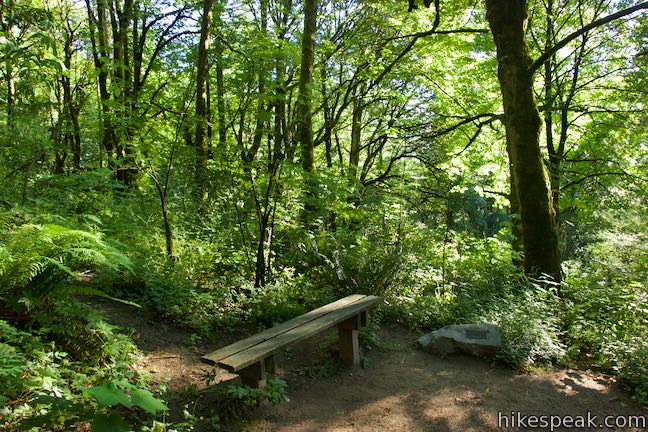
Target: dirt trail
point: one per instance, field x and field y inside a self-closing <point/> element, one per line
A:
<point x="401" y="389"/>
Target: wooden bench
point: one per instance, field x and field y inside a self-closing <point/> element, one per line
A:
<point x="251" y="358"/>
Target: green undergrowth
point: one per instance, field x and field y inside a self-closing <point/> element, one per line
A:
<point x="231" y="401"/>
<point x="83" y="376"/>
<point x="223" y="406"/>
<point x="61" y="365"/>
<point x="586" y="321"/>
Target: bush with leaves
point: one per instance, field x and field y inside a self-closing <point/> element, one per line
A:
<point x="531" y="331"/>
<point x="605" y="312"/>
<point x="525" y="310"/>
<point x="632" y="367"/>
<point x="230" y="402"/>
<point x="48" y="386"/>
<point x="352" y="262"/>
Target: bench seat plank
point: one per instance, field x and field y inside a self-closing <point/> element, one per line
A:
<point x="258" y="352"/>
<point x="214" y="357"/>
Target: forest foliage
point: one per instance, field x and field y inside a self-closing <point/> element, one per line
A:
<point x="221" y="163"/>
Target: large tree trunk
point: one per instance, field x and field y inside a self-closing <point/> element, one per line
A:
<point x="303" y="108"/>
<point x="280" y="123"/>
<point x="517" y="242"/>
<point x="202" y="115"/>
<point x="508" y="20"/>
<point x="121" y="17"/>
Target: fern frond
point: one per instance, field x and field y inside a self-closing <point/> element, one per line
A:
<point x="59" y="265"/>
<point x="39" y="258"/>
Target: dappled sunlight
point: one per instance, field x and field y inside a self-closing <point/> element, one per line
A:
<point x="270" y="186"/>
<point x="575" y="381"/>
<point x="410" y="390"/>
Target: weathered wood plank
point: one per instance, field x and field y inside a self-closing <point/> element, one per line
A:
<point x="214" y="357"/>
<point x="253" y="354"/>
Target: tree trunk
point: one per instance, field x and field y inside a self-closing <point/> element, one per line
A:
<point x="10" y="93"/>
<point x="328" y="122"/>
<point x="70" y="111"/>
<point x="127" y="169"/>
<point x="280" y="126"/>
<point x="59" y="134"/>
<point x="279" y="112"/>
<point x="99" y="43"/>
<point x="508" y="20"/>
<point x="220" y="97"/>
<point x="162" y="192"/>
<point x="517" y="242"/>
<point x="6" y="24"/>
<point x="356" y="134"/>
<point x="260" y="265"/>
<point x="303" y="109"/>
<point x="202" y="115"/>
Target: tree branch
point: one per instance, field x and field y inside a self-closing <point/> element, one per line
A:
<point x="582" y="179"/>
<point x="597" y="23"/>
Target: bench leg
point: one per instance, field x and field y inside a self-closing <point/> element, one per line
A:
<point x="273" y="363"/>
<point x="254" y="375"/>
<point x="349" y="344"/>
<point x="364" y="319"/>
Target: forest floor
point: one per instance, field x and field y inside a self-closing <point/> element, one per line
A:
<point x="400" y="388"/>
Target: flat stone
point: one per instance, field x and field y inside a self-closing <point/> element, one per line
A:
<point x="480" y="340"/>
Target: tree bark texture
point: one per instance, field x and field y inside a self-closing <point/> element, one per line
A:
<point x="202" y="114"/>
<point x="303" y="108"/>
<point x="517" y="242"/>
<point x="508" y="21"/>
<point x="6" y="24"/>
<point x="220" y="98"/>
<point x="101" y="60"/>
<point x="356" y="134"/>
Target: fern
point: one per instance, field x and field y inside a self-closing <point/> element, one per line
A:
<point x="37" y="262"/>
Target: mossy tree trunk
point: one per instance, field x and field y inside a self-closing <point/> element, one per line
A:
<point x="201" y="140"/>
<point x="304" y="127"/>
<point x="508" y="21"/>
<point x="304" y="115"/>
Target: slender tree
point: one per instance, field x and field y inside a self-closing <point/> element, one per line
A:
<point x="6" y="25"/>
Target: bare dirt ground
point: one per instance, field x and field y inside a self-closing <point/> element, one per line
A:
<point x="400" y="389"/>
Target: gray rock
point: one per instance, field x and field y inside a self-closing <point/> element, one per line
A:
<point x="481" y="340"/>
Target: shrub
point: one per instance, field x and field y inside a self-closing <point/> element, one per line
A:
<point x="74" y="370"/>
<point x="633" y="370"/>
<point x="530" y="329"/>
<point x="606" y="321"/>
<point x="232" y="402"/>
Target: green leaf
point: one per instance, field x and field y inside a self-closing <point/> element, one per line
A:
<point x="149" y="403"/>
<point x="110" y="423"/>
<point x="108" y="395"/>
<point x="57" y="403"/>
